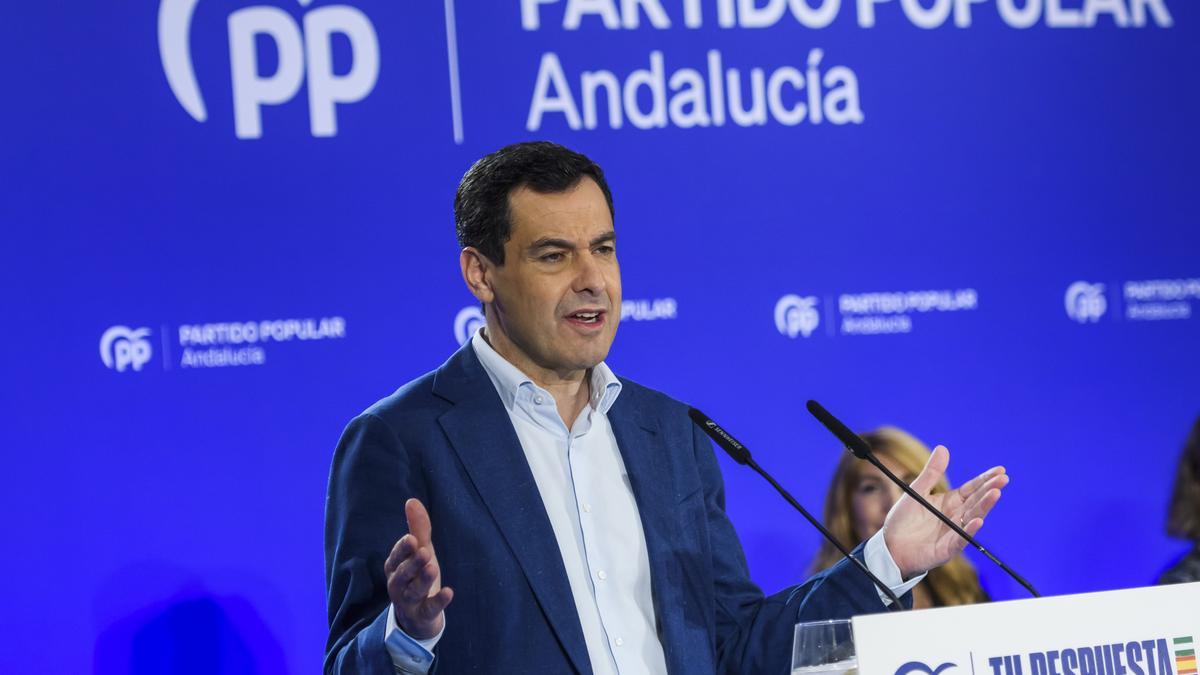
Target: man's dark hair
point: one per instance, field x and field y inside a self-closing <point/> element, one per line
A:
<point x="481" y="207"/>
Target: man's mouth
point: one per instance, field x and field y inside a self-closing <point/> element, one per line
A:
<point x="587" y="317"/>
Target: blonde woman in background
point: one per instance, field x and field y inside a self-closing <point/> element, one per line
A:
<point x="860" y="497"/>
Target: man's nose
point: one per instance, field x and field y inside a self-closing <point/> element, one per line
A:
<point x="589" y="277"/>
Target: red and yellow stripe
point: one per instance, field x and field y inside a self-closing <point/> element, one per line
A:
<point x="1185" y="656"/>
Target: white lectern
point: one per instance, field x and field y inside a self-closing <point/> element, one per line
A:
<point x="1141" y="631"/>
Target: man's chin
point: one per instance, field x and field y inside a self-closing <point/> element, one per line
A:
<point x="588" y="360"/>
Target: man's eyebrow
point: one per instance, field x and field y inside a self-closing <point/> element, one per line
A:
<point x="555" y="242"/>
<point x="550" y="242"/>
<point x="605" y="238"/>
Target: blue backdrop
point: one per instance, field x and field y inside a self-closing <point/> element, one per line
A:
<point x="229" y="231"/>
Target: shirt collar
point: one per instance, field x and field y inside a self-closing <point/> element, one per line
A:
<point x="509" y="380"/>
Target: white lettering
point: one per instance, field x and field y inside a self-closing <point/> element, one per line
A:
<point x="1058" y="16"/>
<point x="630" y="15"/>
<point x="788" y="116"/>
<point x="688" y="86"/>
<point x="962" y="12"/>
<point x="815" y="18"/>
<point x="1157" y="8"/>
<point x="591" y="81"/>
<point x="725" y="14"/>
<point x="655" y="97"/>
<point x="841" y="103"/>
<point x="1024" y="17"/>
<point x="751" y="16"/>
<point x="866" y="12"/>
<point x="930" y="18"/>
<point x="757" y="114"/>
<point x="1115" y="8"/>
<point x="716" y="88"/>
<point x="814" y="86"/>
<point x="605" y="9"/>
<point x="655" y="80"/>
<point x="530" y="16"/>
<point x="550" y="72"/>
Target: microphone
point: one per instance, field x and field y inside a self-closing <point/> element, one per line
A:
<point x="741" y="455"/>
<point x="862" y="450"/>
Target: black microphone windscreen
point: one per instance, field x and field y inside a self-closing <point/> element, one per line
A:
<point x="728" y="443"/>
<point x="853" y="442"/>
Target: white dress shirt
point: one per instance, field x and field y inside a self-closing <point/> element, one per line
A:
<point x="588" y="497"/>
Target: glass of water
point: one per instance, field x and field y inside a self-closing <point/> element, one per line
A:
<point x="824" y="648"/>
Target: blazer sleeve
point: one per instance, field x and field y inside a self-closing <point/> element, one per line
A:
<point x="369" y="482"/>
<point x="753" y="632"/>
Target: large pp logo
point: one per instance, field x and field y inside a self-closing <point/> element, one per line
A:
<point x="796" y="315"/>
<point x="122" y="347"/>
<point x="468" y="320"/>
<point x="1085" y="302"/>
<point x="299" y="52"/>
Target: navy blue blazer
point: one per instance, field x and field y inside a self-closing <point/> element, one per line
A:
<point x="446" y="439"/>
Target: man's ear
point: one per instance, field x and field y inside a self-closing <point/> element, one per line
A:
<point x="477" y="272"/>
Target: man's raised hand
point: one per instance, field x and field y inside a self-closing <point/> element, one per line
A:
<point x="414" y="579"/>
<point x="917" y="540"/>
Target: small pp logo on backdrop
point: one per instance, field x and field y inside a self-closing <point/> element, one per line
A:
<point x="123" y="347"/>
<point x="468" y="320"/>
<point x="1085" y="302"/>
<point x="797" y="315"/>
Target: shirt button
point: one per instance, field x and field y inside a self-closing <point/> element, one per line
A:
<point x="619" y="642"/>
<point x="602" y="575"/>
<point x="538" y="400"/>
<point x="587" y="508"/>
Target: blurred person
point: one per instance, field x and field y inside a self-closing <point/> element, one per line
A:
<point x="859" y="499"/>
<point x="1183" y="516"/>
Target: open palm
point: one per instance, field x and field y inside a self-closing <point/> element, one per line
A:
<point x="917" y="540"/>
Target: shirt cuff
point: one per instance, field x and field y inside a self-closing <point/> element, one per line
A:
<point x="879" y="561"/>
<point x="409" y="655"/>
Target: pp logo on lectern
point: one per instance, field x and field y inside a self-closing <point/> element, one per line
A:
<point x="123" y="347"/>
<point x="299" y="52"/>
<point x="916" y="667"/>
<point x="797" y="315"/>
<point x="1085" y="302"/>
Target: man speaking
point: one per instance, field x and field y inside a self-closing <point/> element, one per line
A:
<point x="578" y="516"/>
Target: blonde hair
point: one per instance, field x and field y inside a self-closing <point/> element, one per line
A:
<point x="954" y="583"/>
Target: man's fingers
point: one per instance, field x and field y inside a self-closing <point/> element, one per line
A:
<point x="979" y="510"/>
<point x="934" y="469"/>
<point x="997" y="482"/>
<point x="975" y="484"/>
<point x="422" y="580"/>
<point x="403" y="549"/>
<point x="984" y="506"/>
<point x="418" y="521"/>
<point x="408" y="570"/>
<point x="973" y="526"/>
<point x="435" y="604"/>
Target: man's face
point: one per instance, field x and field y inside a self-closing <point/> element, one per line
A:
<point x="557" y="297"/>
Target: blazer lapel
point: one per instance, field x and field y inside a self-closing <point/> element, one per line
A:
<point x="482" y="435"/>
<point x="651" y="476"/>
